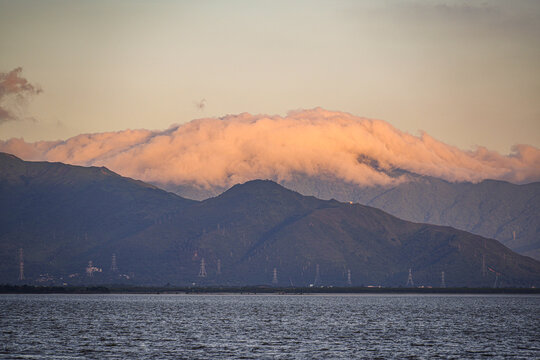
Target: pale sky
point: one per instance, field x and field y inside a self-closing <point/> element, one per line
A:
<point x="465" y="72"/>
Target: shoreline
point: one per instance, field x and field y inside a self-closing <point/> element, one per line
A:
<point x="253" y="290"/>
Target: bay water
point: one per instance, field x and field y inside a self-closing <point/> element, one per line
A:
<point x="269" y="326"/>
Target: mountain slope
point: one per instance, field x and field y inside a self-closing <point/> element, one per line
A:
<point x="495" y="209"/>
<point x="55" y="210"/>
<point x="64" y="216"/>
<point x="258" y="226"/>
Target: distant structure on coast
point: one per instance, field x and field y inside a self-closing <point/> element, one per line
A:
<point x="443" y="282"/>
<point x="274" y="277"/>
<point x="202" y="270"/>
<point x="497" y="274"/>
<point x="317" y="276"/>
<point x="410" y="281"/>
<point x="349" y="282"/>
<point x="114" y="268"/>
<point x="89" y="268"/>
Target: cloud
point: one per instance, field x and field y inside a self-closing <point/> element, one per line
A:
<point x="219" y="152"/>
<point x="450" y="9"/>
<point x="14" y="91"/>
<point x="200" y="104"/>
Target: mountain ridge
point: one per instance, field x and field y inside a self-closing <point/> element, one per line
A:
<point x="491" y="208"/>
<point x="242" y="235"/>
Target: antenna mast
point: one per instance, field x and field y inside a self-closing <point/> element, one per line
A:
<point x="443" y="283"/>
<point x="274" y="277"/>
<point x="349" y="282"/>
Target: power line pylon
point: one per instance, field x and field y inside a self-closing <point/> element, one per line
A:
<point x="202" y="270"/>
<point x="218" y="267"/>
<point x="443" y="282"/>
<point x="496" y="283"/>
<point x="274" y="277"/>
<point x="21" y="265"/>
<point x="410" y="281"/>
<point x="317" y="276"/>
<point x="114" y="268"/>
<point x="349" y="282"/>
<point x="90" y="269"/>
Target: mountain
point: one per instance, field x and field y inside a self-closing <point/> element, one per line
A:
<point x="58" y="213"/>
<point x="64" y="216"/>
<point x="500" y="210"/>
<point x="258" y="226"/>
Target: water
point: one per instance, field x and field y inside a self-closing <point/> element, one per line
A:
<point x="268" y="326"/>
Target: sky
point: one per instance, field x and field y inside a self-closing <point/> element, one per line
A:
<point x="465" y="72"/>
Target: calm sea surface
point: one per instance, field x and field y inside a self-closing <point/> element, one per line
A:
<point x="268" y="326"/>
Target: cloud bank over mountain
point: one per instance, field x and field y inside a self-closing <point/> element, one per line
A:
<point x="235" y="148"/>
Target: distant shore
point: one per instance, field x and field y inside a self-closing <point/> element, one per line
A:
<point x="115" y="289"/>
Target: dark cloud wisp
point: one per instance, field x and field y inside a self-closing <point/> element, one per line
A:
<point x="14" y="91"/>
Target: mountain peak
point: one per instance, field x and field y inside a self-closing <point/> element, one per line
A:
<point x="258" y="188"/>
<point x="259" y="184"/>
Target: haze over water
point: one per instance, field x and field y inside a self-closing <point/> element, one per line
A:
<point x="268" y="326"/>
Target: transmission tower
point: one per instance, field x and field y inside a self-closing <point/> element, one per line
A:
<point x="21" y="265"/>
<point x="443" y="283"/>
<point x="496" y="283"/>
<point x="484" y="271"/>
<point x="349" y="282"/>
<point x="202" y="270"/>
<point x="90" y="268"/>
<point x="317" y="276"/>
<point x="410" y="281"/>
<point x="274" y="277"/>
<point x="219" y="266"/>
<point x="114" y="268"/>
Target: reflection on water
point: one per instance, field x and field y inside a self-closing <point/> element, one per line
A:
<point x="268" y="326"/>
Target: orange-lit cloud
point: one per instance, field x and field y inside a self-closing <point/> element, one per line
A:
<point x="236" y="148"/>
